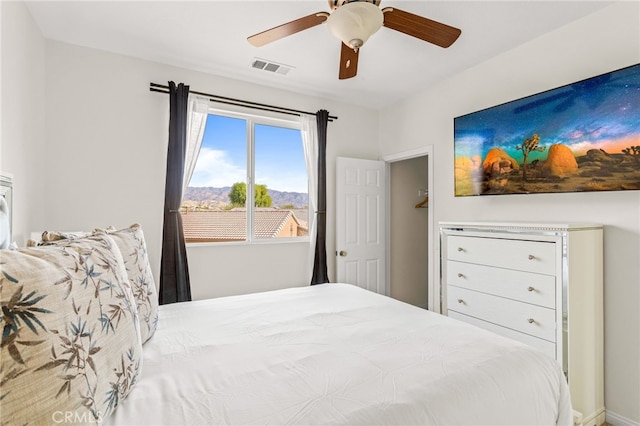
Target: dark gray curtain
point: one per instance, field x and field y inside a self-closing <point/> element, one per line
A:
<point x="174" y="270"/>
<point x="320" y="275"/>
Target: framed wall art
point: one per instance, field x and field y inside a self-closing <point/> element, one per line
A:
<point x="584" y="136"/>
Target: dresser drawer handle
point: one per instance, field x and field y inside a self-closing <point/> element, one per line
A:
<point x="531" y="257"/>
<point x="460" y="275"/>
<point x="461" y="301"/>
<point x="460" y="249"/>
<point x="531" y="320"/>
<point x="530" y="289"/>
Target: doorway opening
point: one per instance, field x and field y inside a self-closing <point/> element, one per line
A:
<point x="410" y="234"/>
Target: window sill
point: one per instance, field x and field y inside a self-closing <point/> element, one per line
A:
<point x="269" y="241"/>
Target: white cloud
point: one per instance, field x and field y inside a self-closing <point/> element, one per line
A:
<point x="284" y="182"/>
<point x="215" y="168"/>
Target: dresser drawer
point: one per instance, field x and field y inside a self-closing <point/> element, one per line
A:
<point x="531" y="319"/>
<point x="522" y="255"/>
<point x="548" y="348"/>
<point x="527" y="287"/>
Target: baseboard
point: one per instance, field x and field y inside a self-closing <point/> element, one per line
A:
<point x="618" y="420"/>
<point x="596" y="418"/>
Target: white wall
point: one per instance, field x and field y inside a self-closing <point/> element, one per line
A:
<point x="106" y="158"/>
<point x="22" y="96"/>
<point x="602" y="42"/>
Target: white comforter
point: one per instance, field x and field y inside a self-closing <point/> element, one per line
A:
<point x="336" y="354"/>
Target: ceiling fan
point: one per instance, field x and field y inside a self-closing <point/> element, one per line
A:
<point x="354" y="21"/>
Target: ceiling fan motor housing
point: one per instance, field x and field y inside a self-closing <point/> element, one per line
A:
<point x="333" y="4"/>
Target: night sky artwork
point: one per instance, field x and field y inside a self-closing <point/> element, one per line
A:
<point x="580" y="137"/>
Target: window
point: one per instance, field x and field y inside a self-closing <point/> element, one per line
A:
<point x="249" y="183"/>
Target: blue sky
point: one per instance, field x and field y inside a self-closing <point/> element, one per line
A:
<point x="223" y="156"/>
<point x="600" y="112"/>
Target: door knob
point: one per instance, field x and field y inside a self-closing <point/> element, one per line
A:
<point x="343" y="253"/>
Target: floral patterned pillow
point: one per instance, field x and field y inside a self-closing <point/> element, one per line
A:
<point x="71" y="347"/>
<point x="49" y="236"/>
<point x="134" y="252"/>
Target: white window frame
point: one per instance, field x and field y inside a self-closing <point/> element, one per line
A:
<point x="251" y="119"/>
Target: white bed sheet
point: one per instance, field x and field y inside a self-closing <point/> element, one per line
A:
<point x="336" y="354"/>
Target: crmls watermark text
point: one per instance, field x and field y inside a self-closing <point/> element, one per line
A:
<point x="70" y="417"/>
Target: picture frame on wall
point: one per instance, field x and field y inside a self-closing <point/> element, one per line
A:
<point x="580" y="137"/>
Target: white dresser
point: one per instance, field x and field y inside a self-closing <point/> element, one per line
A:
<point x="538" y="283"/>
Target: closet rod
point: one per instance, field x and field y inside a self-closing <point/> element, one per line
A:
<point x="155" y="87"/>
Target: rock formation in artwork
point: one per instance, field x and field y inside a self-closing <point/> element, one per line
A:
<point x="496" y="168"/>
<point x="600" y="156"/>
<point x="560" y="162"/>
<point x="498" y="162"/>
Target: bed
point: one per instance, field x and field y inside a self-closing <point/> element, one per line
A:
<point x="85" y="342"/>
<point x="336" y="354"/>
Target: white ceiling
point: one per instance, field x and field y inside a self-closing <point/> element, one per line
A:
<point x="210" y="36"/>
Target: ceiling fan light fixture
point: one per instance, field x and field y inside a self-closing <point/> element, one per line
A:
<point x="353" y="23"/>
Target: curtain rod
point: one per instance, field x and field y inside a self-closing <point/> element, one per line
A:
<point x="155" y="87"/>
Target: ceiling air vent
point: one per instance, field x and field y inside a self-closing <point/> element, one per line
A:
<point x="271" y="66"/>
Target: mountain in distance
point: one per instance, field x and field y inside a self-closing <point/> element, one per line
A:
<point x="220" y="197"/>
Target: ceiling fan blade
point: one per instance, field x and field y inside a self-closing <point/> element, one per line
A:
<point x="287" y="29"/>
<point x="348" y="62"/>
<point x="420" y="27"/>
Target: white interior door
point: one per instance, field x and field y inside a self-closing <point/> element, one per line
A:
<point x="360" y="223"/>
